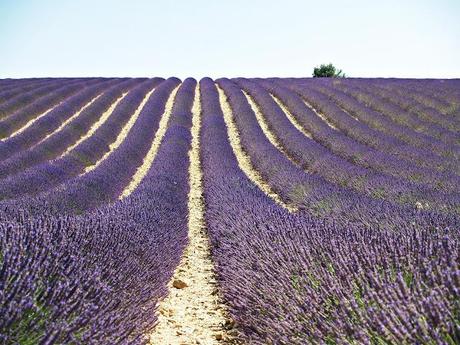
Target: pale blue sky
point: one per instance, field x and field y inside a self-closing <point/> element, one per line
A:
<point x="229" y="38"/>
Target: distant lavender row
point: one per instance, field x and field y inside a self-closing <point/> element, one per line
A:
<point x="286" y="179"/>
<point x="10" y="84"/>
<point x="353" y="149"/>
<point x="25" y="99"/>
<point x="106" y="183"/>
<point x="407" y="112"/>
<point x="442" y="95"/>
<point x="305" y="189"/>
<point x="362" y="133"/>
<point x="423" y="106"/>
<point x="421" y="149"/>
<point x="297" y="279"/>
<point x="51" y="174"/>
<point x="9" y="93"/>
<point x="118" y="258"/>
<point x="50" y="121"/>
<point x="52" y="147"/>
<point x="317" y="159"/>
<point x="19" y="118"/>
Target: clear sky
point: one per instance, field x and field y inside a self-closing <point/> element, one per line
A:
<point x="391" y="38"/>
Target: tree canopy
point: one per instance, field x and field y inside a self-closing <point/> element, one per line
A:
<point x="327" y="71"/>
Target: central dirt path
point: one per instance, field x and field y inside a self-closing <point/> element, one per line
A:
<point x="192" y="312"/>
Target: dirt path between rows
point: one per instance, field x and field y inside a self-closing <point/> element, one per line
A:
<point x="193" y="313"/>
<point x="151" y="154"/>
<point x="123" y="133"/>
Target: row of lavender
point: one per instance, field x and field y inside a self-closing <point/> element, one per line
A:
<point x="354" y="162"/>
<point x="391" y="153"/>
<point x="95" y="278"/>
<point x="352" y="266"/>
<point x="315" y="157"/>
<point x="364" y="271"/>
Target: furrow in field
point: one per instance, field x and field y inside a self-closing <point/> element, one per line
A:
<point x="22" y="100"/>
<point x="97" y="124"/>
<point x="314" y="158"/>
<point x="344" y="269"/>
<point x="34" y="132"/>
<point x="291" y="117"/>
<point x="34" y="146"/>
<point x="244" y="161"/>
<point x="320" y="115"/>
<point x="348" y="113"/>
<point x="384" y="134"/>
<point x="425" y="107"/>
<point x="409" y="144"/>
<point x="53" y="173"/>
<point x="122" y="135"/>
<point x="270" y="133"/>
<point x="432" y="96"/>
<point x="31" y="122"/>
<point x="70" y="119"/>
<point x="287" y="180"/>
<point x="357" y="144"/>
<point x="263" y="124"/>
<point x="112" y="176"/>
<point x="138" y="250"/>
<point x="405" y="113"/>
<point x="193" y="314"/>
<point x="21" y="89"/>
<point x="271" y="136"/>
<point x="151" y="154"/>
<point x="420" y="101"/>
<point x="23" y="118"/>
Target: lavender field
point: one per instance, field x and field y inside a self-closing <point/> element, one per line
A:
<point x="329" y="210"/>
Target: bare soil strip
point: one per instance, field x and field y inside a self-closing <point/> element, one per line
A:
<point x="292" y="117"/>
<point x="70" y="119"/>
<point x="324" y="118"/>
<point x="151" y="154"/>
<point x="264" y="125"/>
<point x="97" y="124"/>
<point x="192" y="312"/>
<point x="273" y="138"/>
<point x="122" y="135"/>
<point x="244" y="161"/>
<point x="347" y="112"/>
<point x="31" y="122"/>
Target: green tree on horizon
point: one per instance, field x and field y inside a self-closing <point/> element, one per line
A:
<point x="328" y="71"/>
